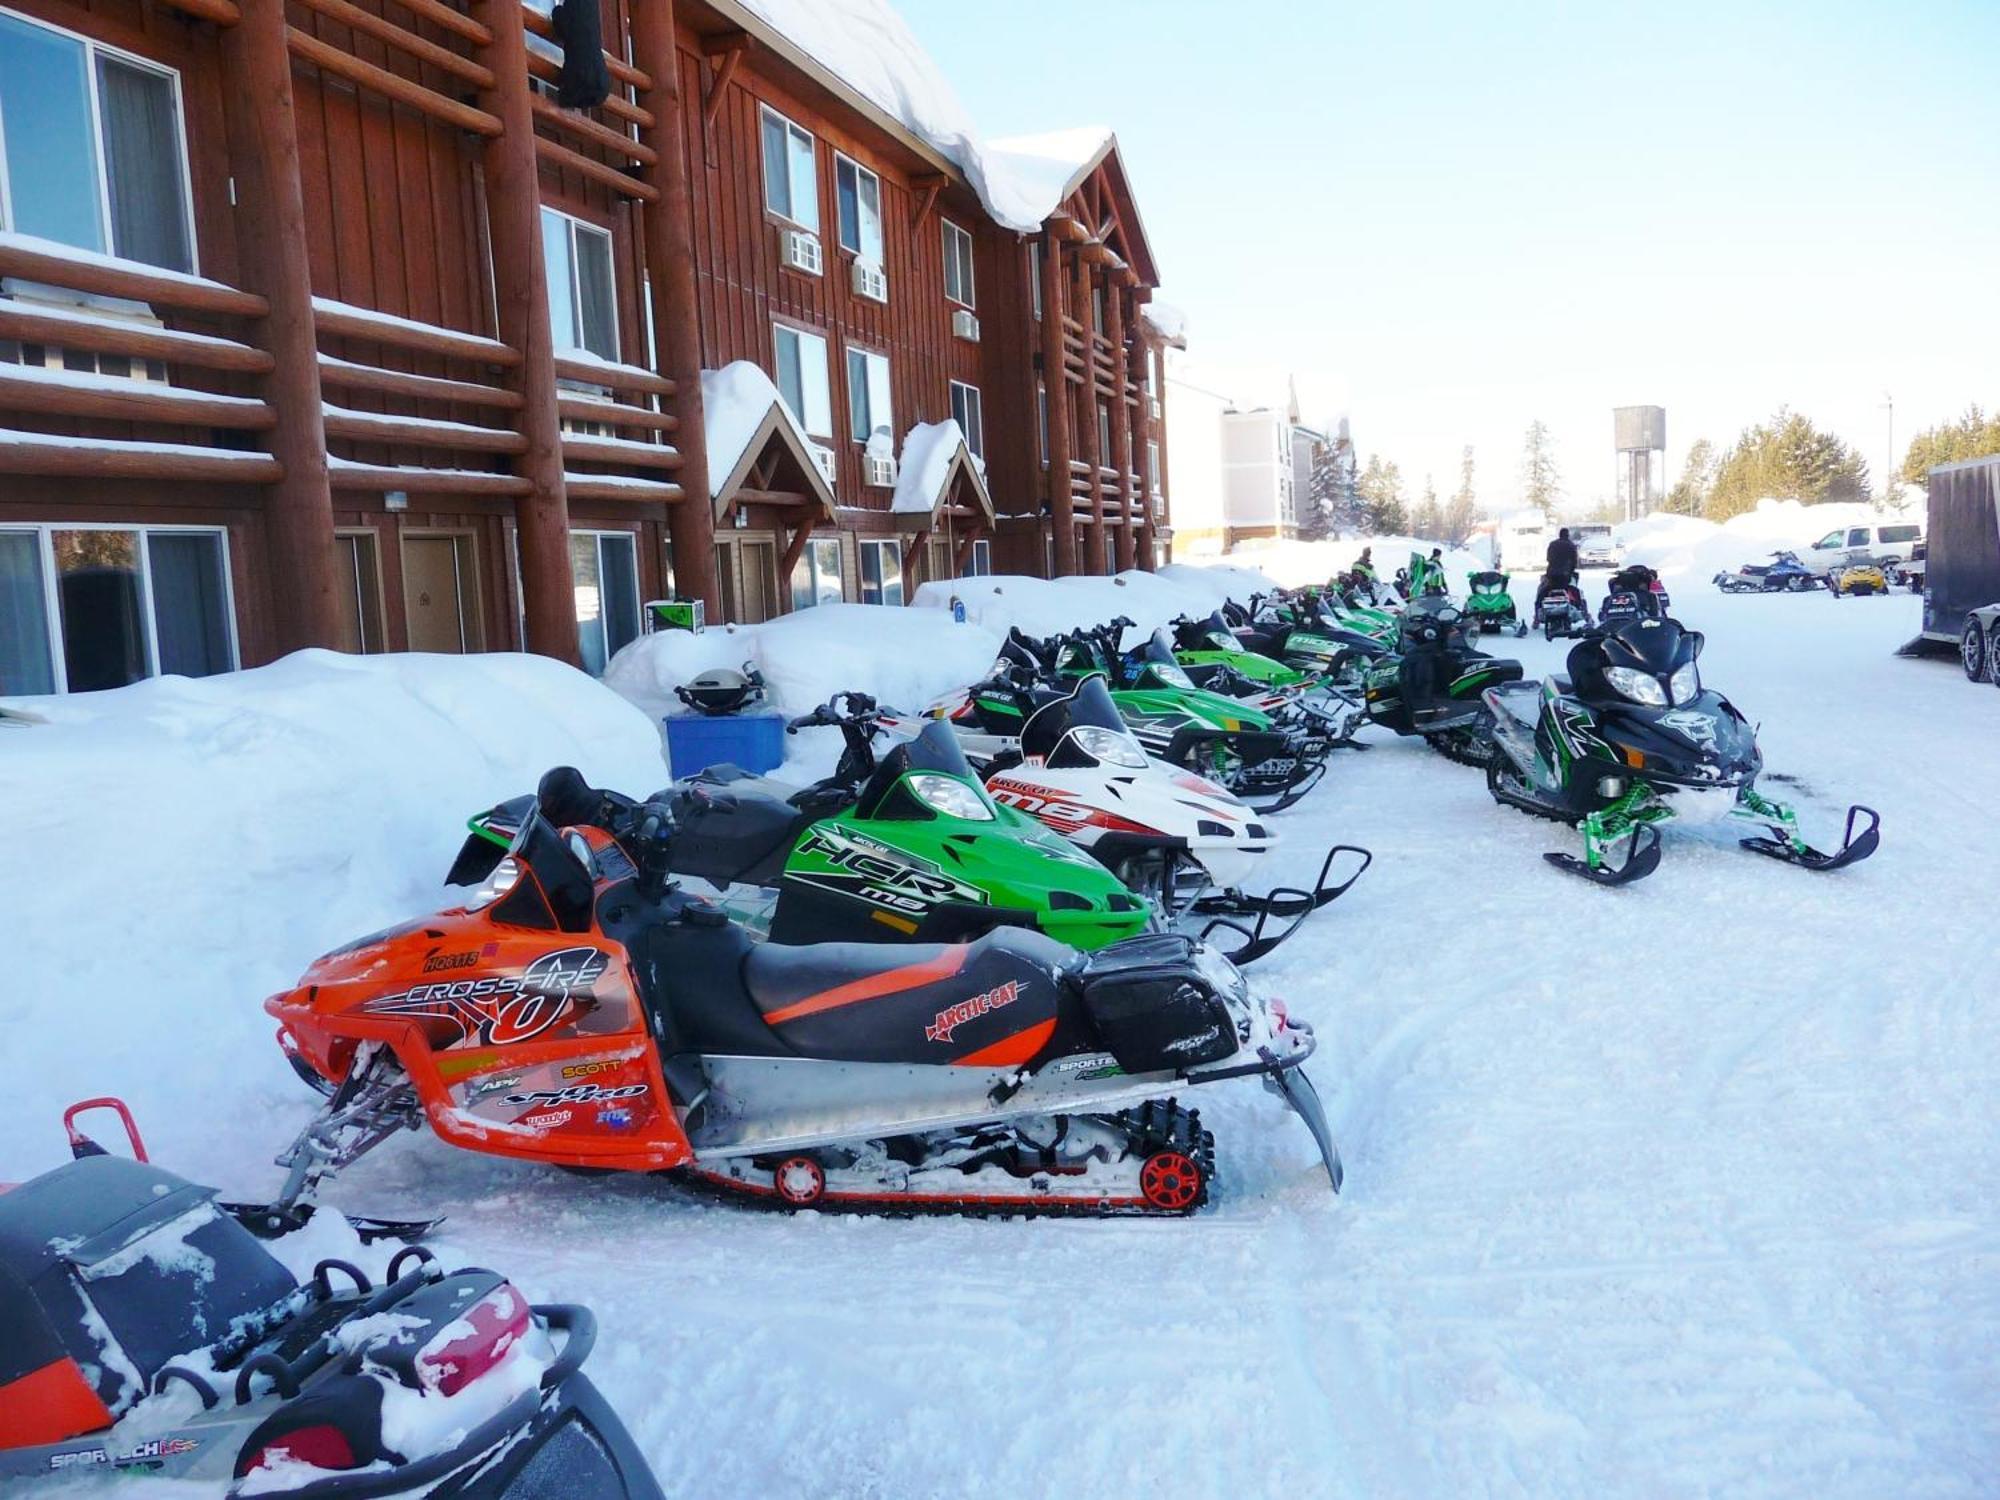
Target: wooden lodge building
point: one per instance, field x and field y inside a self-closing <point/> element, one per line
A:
<point x="324" y="322"/>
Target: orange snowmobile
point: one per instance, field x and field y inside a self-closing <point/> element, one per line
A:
<point x="579" y="1009"/>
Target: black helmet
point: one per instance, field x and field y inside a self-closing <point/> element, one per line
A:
<point x="722" y="690"/>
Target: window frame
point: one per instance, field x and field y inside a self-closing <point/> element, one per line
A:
<point x="780" y="326"/>
<point x="809" y="560"/>
<point x="881" y="257"/>
<point x="1035" y="280"/>
<point x="597" y="534"/>
<point x="848" y="352"/>
<point x="373" y="537"/>
<point x="975" y="406"/>
<point x="869" y="545"/>
<point x="44" y="532"/>
<point x="1152" y="467"/>
<point x="1042" y="417"/>
<point x="982" y="549"/>
<point x="91" y="47"/>
<point x="970" y="300"/>
<point x="575" y="224"/>
<point x="764" y="169"/>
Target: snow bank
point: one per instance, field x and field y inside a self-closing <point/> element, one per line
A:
<point x="181" y="848"/>
<point x="1690" y="546"/>
<point x="902" y="657"/>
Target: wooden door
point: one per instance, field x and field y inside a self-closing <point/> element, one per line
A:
<point x="437" y="588"/>
<point x="760" y="571"/>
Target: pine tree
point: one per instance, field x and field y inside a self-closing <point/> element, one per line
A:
<point x="1787" y="458"/>
<point x="1350" y="516"/>
<point x="1461" y="511"/>
<point x="1689" y="496"/>
<point x="1974" y="435"/>
<point x="1320" y="517"/>
<point x="1382" y="498"/>
<point x="1541" y="485"/>
<point x="1427" y="521"/>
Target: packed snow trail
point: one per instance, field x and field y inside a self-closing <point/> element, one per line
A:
<point x="1681" y="1189"/>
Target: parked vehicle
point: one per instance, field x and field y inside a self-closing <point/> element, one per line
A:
<point x="1784" y="575"/>
<point x="1595" y="546"/>
<point x="1961" y="572"/>
<point x="594" y="1015"/>
<point x="1560" y="609"/>
<point x="144" y="1330"/>
<point x="1489" y="606"/>
<point x="1858" y="578"/>
<point x="1890" y="542"/>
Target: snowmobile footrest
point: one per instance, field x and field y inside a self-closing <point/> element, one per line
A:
<point x="1855" y="846"/>
<point x="1643" y="859"/>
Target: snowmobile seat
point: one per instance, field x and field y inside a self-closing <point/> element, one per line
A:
<point x="736" y="830"/>
<point x="873" y="1002"/>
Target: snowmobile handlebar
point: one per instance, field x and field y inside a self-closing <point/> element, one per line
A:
<point x="860" y="709"/>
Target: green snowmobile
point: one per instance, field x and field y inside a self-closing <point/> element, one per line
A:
<point x="1488" y="605"/>
<point x="1433" y="687"/>
<point x="906" y="846"/>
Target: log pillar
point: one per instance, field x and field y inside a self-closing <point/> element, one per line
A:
<point x="521" y="305"/>
<point x="1055" y="381"/>
<point x="1121" y="415"/>
<point x="669" y="232"/>
<point x="1166" y="506"/>
<point x="1092" y="458"/>
<point x="271" y="224"/>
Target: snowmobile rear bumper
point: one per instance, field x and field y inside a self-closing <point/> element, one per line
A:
<point x="1230" y="908"/>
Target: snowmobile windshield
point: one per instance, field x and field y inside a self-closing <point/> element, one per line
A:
<point x="1084" y="729"/>
<point x="1158" y="656"/>
<point x="924" y="778"/>
<point x="1219" y="633"/>
<point x="1489" y="583"/>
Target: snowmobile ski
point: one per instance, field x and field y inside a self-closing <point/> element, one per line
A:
<point x="1290" y="904"/>
<point x="1854" y="846"/>
<point x="1641" y="861"/>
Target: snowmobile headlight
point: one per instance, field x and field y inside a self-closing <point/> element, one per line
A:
<point x="1173" y="676"/>
<point x="1637" y="686"/>
<point x="1108" y="746"/>
<point x="1685" y="684"/>
<point x="947" y="795"/>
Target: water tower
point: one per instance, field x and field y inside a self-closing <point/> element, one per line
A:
<point x="1640" y="435"/>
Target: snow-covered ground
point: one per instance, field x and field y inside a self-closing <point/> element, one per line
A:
<point x="1685" y="1189"/>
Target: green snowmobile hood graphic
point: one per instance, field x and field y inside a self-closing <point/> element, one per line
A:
<point x="1252" y="664"/>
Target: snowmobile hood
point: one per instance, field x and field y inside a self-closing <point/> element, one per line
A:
<point x="1704" y="742"/>
<point x="1656" y="646"/>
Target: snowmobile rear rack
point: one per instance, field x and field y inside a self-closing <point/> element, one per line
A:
<point x="1289" y="904"/>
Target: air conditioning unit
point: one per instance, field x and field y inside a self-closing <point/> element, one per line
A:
<point x="880" y="472"/>
<point x="964" y="324"/>
<point x="800" y="251"/>
<point x="870" y="282"/>
<point x="824" y="461"/>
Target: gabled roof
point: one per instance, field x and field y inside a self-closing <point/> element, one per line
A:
<point x="936" y="465"/>
<point x="744" y="416"/>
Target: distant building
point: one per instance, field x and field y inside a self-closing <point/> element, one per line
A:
<point x="1258" y="498"/>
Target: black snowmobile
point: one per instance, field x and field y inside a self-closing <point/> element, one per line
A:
<point x="1433" y="686"/>
<point x="144" y="1331"/>
<point x="1630" y="739"/>
<point x="1560" y="608"/>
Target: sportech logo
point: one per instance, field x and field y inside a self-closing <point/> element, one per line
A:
<point x="500" y="1010"/>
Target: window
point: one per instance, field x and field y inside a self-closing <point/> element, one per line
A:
<point x="1097" y="308"/>
<point x="583" y="312"/>
<point x="816" y="579"/>
<point x="980" y="564"/>
<point x="91" y="147"/>
<point x="1035" y="279"/>
<point x="881" y="573"/>
<point x="88" y="607"/>
<point x="360" y="591"/>
<point x="802" y="379"/>
<point x="859" y="194"/>
<point x="1896" y="535"/>
<point x="970" y="414"/>
<point x="1858" y="537"/>
<point x="1831" y="539"/>
<point x="1153" y="467"/>
<point x="1103" y="436"/>
<point x="957" y="264"/>
<point x="1152" y="372"/>
<point x="1110" y="552"/>
<point x="868" y="409"/>
<point x="791" y="190"/>
<point x="1042" y="418"/>
<point x="604" y="569"/>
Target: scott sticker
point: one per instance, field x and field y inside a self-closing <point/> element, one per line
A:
<point x="503" y="1009"/>
<point x="952" y="1017"/>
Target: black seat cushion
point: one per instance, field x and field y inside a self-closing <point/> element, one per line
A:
<point x="918" y="1002"/>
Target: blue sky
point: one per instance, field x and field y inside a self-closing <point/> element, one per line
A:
<point x="1451" y="218"/>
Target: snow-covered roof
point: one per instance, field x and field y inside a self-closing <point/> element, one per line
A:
<point x="1166" y="320"/>
<point x="1048" y="167"/>
<point x="934" y="453"/>
<point x="742" y="411"/>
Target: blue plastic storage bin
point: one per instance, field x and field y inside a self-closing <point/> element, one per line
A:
<point x="756" y="742"/>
